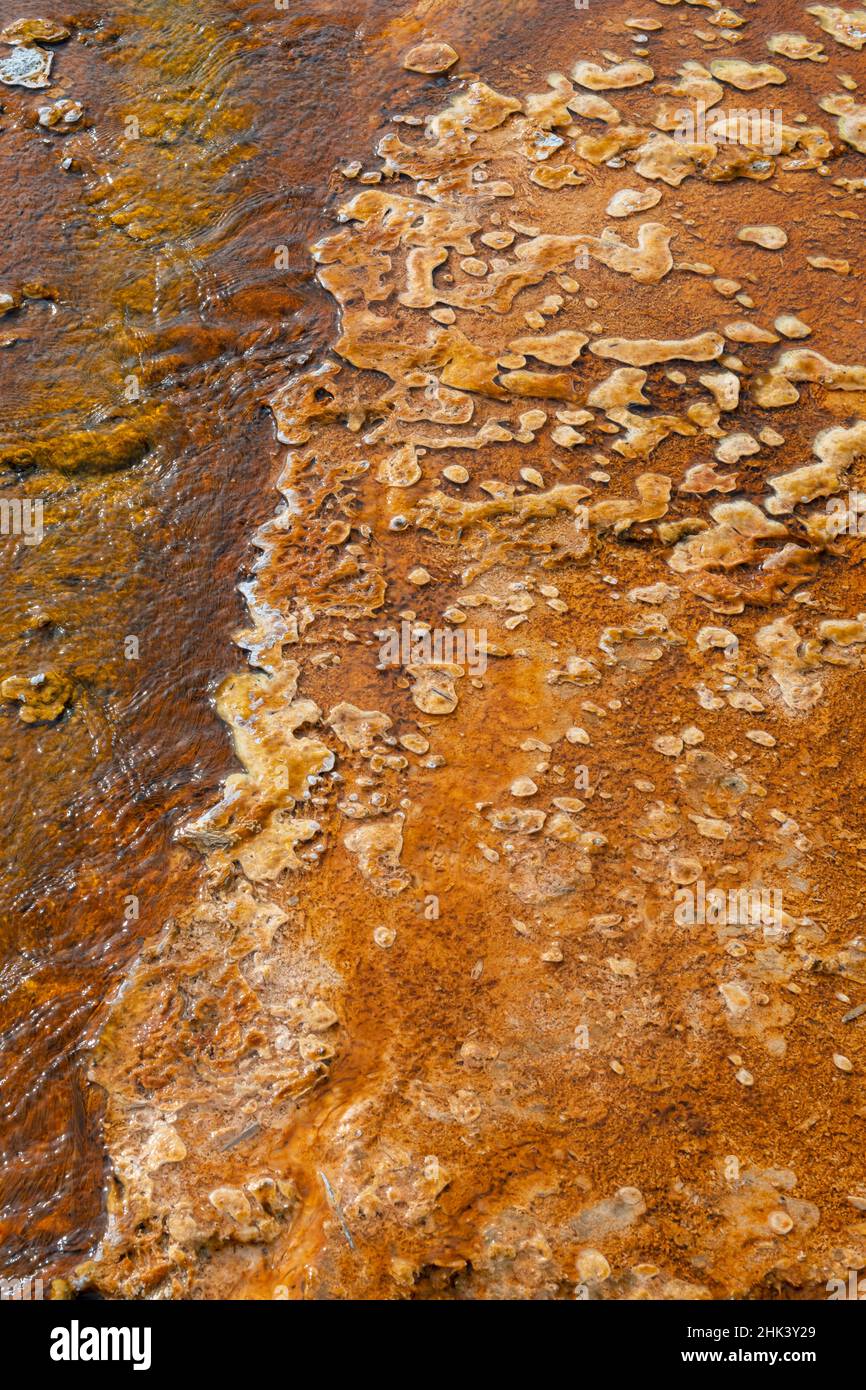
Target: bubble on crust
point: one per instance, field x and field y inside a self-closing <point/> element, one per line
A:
<point x="599" y="79"/>
<point x="630" y="200"/>
<point x="770" y="237"/>
<point x="431" y="57"/>
<point x="746" y="77"/>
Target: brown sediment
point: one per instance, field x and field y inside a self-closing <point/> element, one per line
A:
<point x="437" y="1024"/>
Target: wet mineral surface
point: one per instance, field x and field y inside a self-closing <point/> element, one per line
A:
<point x="487" y="922"/>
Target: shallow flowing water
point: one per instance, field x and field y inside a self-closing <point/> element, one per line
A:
<point x="172" y="259"/>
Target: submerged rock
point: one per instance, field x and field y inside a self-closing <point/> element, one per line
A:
<point x="33" y="31"/>
<point x="61" y="114"/>
<point x="430" y="58"/>
<point x="43" y="697"/>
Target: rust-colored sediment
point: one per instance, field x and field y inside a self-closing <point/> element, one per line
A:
<point x="438" y="1023"/>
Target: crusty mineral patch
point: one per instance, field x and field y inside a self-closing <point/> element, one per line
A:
<point x="797" y="46"/>
<point x="530" y="918"/>
<point x="847" y="27"/>
<point x="746" y="76"/>
<point x="772" y="238"/>
<point x="26" y="66"/>
<point x="627" y="201"/>
<point x="430" y="57"/>
<point x="33" y="31"/>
